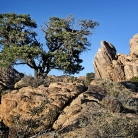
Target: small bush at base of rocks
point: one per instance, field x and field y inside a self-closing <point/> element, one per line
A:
<point x="34" y="82"/>
<point x="134" y="79"/>
<point x="89" y="78"/>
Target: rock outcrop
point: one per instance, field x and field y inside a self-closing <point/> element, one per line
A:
<point x="38" y="105"/>
<point x="117" y="67"/>
<point x="134" y="46"/>
<point x="8" y="77"/>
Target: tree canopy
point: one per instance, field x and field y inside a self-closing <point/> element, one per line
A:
<point x="66" y="39"/>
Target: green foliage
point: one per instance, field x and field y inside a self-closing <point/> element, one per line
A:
<point x="17" y="39"/>
<point x="65" y="38"/>
<point x="134" y="79"/>
<point x="89" y="78"/>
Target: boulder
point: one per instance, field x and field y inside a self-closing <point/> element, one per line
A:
<point x="97" y="124"/>
<point x="116" y="67"/>
<point x="131" y="69"/>
<point x="8" y="77"/>
<point x="106" y="65"/>
<point x="92" y="110"/>
<point x="19" y="84"/>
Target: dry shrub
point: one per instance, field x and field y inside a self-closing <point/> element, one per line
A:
<point x="107" y="125"/>
<point x="34" y="81"/>
<point x="118" y="91"/>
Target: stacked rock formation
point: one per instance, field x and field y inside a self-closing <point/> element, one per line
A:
<point x="117" y="67"/>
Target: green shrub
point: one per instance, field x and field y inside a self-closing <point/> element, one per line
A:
<point x="89" y="78"/>
<point x="134" y="79"/>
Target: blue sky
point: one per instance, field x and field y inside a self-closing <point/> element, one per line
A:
<point x="118" y="22"/>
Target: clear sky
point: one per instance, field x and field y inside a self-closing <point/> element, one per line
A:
<point x="118" y="22"/>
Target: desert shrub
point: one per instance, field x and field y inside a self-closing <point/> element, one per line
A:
<point x="71" y="79"/>
<point x="120" y="92"/>
<point x="89" y="78"/>
<point x="134" y="79"/>
<point x="5" y="92"/>
<point x="34" y="82"/>
<point x="107" y="125"/>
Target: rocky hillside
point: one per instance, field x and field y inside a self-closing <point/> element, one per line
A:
<point x="104" y="109"/>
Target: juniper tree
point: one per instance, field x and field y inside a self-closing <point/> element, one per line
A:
<point x="18" y="43"/>
<point x="66" y="39"/>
